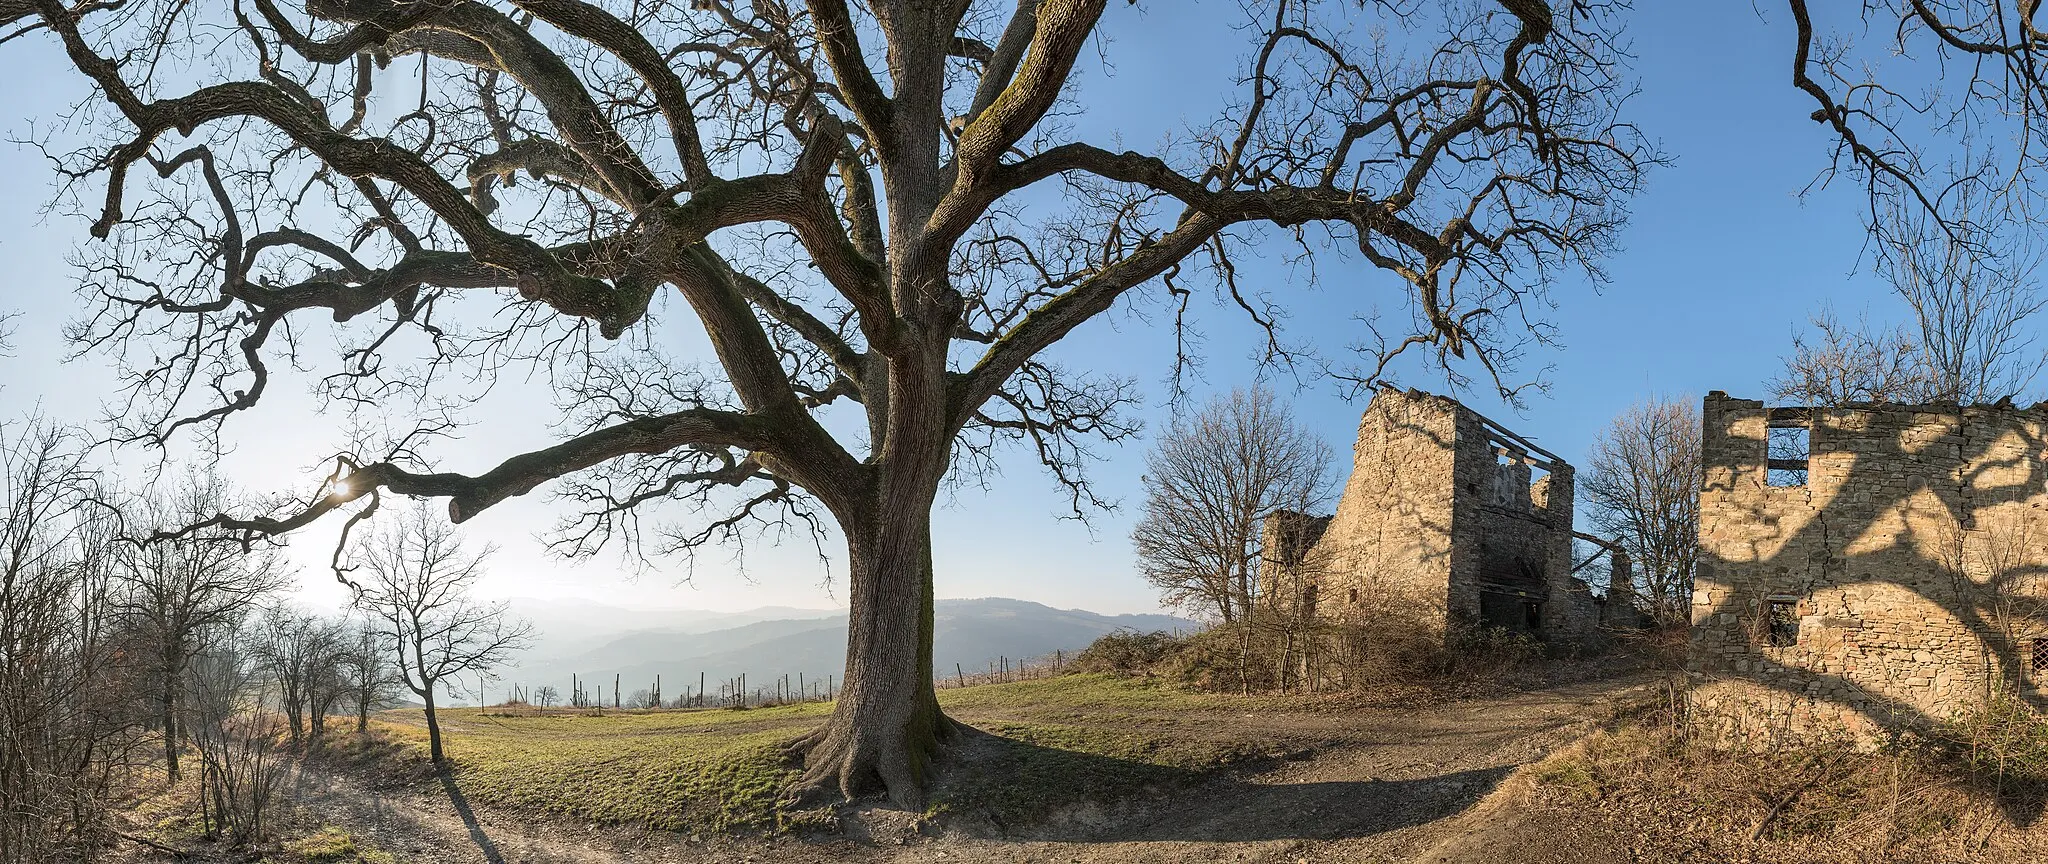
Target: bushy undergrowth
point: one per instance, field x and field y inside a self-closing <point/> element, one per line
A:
<point x="1276" y="654"/>
<point x="2006" y="743"/>
<point x="1128" y="652"/>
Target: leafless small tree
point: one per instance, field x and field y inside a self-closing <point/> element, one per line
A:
<point x="1641" y="488"/>
<point x="546" y="696"/>
<point x="173" y="590"/>
<point x="369" y="675"/>
<point x="1209" y="483"/>
<point x="414" y="582"/>
<point x="302" y="654"/>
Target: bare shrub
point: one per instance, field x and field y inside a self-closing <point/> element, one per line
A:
<point x="1360" y="654"/>
<point x="241" y="762"/>
<point x="1839" y="363"/>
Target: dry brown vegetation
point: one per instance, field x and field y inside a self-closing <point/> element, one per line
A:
<point x="1270" y="652"/>
<point x="1643" y="789"/>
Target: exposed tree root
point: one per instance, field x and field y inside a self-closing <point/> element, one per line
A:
<point x="846" y="761"/>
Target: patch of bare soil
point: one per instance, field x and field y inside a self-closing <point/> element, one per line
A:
<point x="1353" y="786"/>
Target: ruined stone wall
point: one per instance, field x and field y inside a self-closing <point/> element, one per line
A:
<point x="1436" y="514"/>
<point x="1390" y="540"/>
<point x="1902" y="574"/>
<point x="1513" y="534"/>
<point x="1285" y="540"/>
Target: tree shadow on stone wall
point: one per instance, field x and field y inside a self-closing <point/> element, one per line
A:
<point x="1898" y="547"/>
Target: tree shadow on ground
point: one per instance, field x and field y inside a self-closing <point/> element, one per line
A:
<point x="1005" y="788"/>
<point x="320" y="790"/>
<point x="2024" y="804"/>
<point x="469" y="820"/>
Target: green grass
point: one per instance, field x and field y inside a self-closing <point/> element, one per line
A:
<point x="325" y="846"/>
<point x="1080" y="736"/>
<point x="681" y="771"/>
<point x="329" y="845"/>
<point x="1086" y="691"/>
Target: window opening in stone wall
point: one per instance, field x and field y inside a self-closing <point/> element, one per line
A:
<point x="1511" y="612"/>
<point x="1787" y="454"/>
<point x="1781" y="622"/>
<point x="1499" y="564"/>
<point x="1513" y="477"/>
<point x="2037" y="661"/>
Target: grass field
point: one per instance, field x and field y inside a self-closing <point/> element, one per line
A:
<point x="722" y="770"/>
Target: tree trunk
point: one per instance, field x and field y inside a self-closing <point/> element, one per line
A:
<point x="433" y="725"/>
<point x="886" y="727"/>
<point x="170" y="721"/>
<point x="362" y="714"/>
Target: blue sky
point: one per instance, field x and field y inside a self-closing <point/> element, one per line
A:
<point x="1722" y="261"/>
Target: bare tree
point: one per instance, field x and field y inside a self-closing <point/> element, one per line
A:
<point x="1972" y="293"/>
<point x="1209" y="483"/>
<point x="546" y="696"/>
<point x="368" y="674"/>
<point x="1641" y="488"/>
<point x="66" y="721"/>
<point x="859" y="203"/>
<point x="1840" y="364"/>
<point x="175" y="590"/>
<point x="303" y="653"/>
<point x="415" y="584"/>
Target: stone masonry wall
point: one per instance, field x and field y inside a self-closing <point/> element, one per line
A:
<point x="1434" y="511"/>
<point x="1904" y="573"/>
<point x="1504" y="519"/>
<point x="1390" y="540"/>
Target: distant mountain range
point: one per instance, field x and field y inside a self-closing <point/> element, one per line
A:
<point x="597" y="642"/>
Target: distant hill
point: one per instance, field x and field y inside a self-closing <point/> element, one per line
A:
<point x="569" y="627"/>
<point x="970" y="633"/>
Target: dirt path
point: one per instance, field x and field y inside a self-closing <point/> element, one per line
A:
<point x="1380" y="786"/>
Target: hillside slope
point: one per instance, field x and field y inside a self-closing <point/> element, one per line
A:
<point x="970" y="633"/>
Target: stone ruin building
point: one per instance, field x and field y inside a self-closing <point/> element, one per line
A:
<point x="1866" y="568"/>
<point x="1447" y="514"/>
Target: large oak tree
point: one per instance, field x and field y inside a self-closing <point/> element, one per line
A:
<point x="876" y="212"/>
